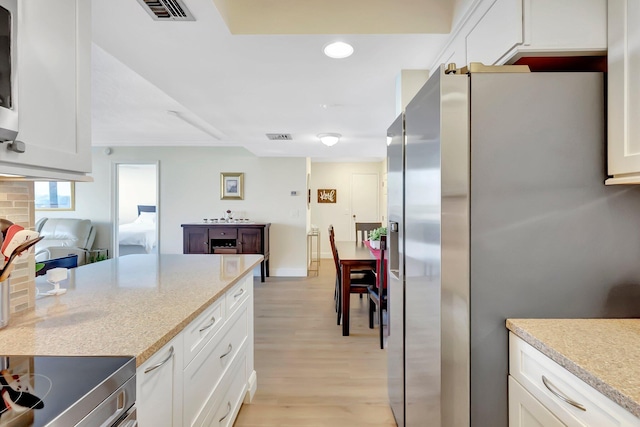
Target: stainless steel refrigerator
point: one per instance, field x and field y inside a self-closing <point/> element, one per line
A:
<point x="497" y="209"/>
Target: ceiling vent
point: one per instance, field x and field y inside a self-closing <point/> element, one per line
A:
<point x="279" y="136"/>
<point x="167" y="10"/>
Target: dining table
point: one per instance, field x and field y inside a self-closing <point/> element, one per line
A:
<point x="353" y="256"/>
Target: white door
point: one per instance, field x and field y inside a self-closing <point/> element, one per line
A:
<point x="365" y="199"/>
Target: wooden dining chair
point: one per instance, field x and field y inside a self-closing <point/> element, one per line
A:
<point x="363" y="229"/>
<point x="378" y="293"/>
<point x="360" y="281"/>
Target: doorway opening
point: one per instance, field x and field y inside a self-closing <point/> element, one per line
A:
<point x="136" y="228"/>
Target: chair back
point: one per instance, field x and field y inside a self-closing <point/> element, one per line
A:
<point x="334" y="251"/>
<point x="381" y="280"/>
<point x="363" y="229"/>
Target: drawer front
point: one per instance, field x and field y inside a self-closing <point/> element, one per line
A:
<point x="202" y="329"/>
<point x="225" y="250"/>
<point x="528" y="366"/>
<point x="223" y="233"/>
<point x="238" y="294"/>
<point x="204" y="376"/>
<point x="526" y="411"/>
<point x="232" y="399"/>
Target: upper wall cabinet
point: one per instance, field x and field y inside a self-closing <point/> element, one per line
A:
<point x="497" y="32"/>
<point x="54" y="90"/>
<point x="624" y="92"/>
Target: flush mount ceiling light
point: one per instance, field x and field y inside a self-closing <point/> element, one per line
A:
<point x="329" y="139"/>
<point x="338" y="50"/>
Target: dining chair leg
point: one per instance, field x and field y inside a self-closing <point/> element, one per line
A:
<point x="380" y="324"/>
<point x="372" y="307"/>
<point x="339" y="305"/>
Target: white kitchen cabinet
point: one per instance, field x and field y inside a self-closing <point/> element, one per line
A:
<point x="623" y="92"/>
<point x="569" y="399"/>
<point x="159" y="386"/>
<point x="207" y="377"/>
<point x="202" y="376"/>
<point x="526" y="411"/>
<point x="497" y="32"/>
<point x="202" y="329"/>
<point x="54" y="89"/>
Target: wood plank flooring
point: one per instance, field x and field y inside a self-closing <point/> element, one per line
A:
<point x="308" y="373"/>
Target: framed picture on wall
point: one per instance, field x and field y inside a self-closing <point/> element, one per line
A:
<point x="327" y="195"/>
<point x="54" y="195"/>
<point x="232" y="186"/>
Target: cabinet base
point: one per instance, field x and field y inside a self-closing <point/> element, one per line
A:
<point x="252" y="386"/>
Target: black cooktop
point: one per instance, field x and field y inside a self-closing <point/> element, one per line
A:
<point x="48" y="391"/>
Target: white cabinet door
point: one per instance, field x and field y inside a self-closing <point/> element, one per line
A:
<point x="159" y="387"/>
<point x="54" y="86"/>
<point x="624" y="92"/>
<point x="499" y="30"/>
<point x="526" y="411"/>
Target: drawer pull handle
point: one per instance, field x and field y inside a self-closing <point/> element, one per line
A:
<point x="227" y="414"/>
<point x="239" y="293"/>
<point x="157" y="365"/>
<point x="228" y="351"/>
<point x="213" y="322"/>
<point x="553" y="389"/>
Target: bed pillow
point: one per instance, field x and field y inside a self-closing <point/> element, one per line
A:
<point x="146" y="218"/>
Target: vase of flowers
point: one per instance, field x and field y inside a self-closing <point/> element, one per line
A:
<point x="374" y="237"/>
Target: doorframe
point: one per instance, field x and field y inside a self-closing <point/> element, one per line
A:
<point x="115" y="202"/>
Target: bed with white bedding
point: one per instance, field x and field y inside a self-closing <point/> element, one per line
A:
<point x="139" y="236"/>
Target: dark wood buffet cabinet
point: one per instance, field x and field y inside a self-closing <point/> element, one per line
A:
<point x="228" y="238"/>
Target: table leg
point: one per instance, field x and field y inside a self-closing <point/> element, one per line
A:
<point x="346" y="298"/>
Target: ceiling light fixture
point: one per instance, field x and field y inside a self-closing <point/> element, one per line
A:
<point x="338" y="50"/>
<point x="329" y="139"/>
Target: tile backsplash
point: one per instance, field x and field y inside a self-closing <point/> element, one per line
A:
<point x="17" y="205"/>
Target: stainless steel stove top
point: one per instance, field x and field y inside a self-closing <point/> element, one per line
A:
<point x="65" y="391"/>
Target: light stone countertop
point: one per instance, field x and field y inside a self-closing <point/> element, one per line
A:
<point x="129" y="306"/>
<point x="604" y="353"/>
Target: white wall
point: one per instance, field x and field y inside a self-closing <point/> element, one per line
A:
<point x="338" y="176"/>
<point x="190" y="191"/>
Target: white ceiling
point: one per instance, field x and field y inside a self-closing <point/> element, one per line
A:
<point x="234" y="89"/>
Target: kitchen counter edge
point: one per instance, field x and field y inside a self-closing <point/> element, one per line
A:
<point x="532" y="330"/>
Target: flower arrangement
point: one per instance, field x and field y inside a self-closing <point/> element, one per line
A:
<point x="374" y="236"/>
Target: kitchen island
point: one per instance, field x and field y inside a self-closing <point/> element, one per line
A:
<point x="183" y="317"/>
<point x="592" y="362"/>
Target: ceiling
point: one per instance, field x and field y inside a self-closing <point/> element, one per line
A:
<point x="194" y="83"/>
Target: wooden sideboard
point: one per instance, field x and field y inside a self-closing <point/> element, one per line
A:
<point x="228" y="238"/>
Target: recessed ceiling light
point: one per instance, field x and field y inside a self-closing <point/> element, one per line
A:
<point x="338" y="50"/>
<point x="329" y="139"/>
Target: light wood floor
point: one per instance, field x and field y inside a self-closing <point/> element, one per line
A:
<point x="308" y="373"/>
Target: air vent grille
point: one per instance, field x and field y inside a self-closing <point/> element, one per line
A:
<point x="167" y="10"/>
<point x="279" y="136"/>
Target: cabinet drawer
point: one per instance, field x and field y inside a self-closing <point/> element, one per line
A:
<point x="526" y="411"/>
<point x="202" y="329"/>
<point x="232" y="398"/>
<point x="528" y="366"/>
<point x="223" y="233"/>
<point x="238" y="293"/>
<point x="203" y="376"/>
